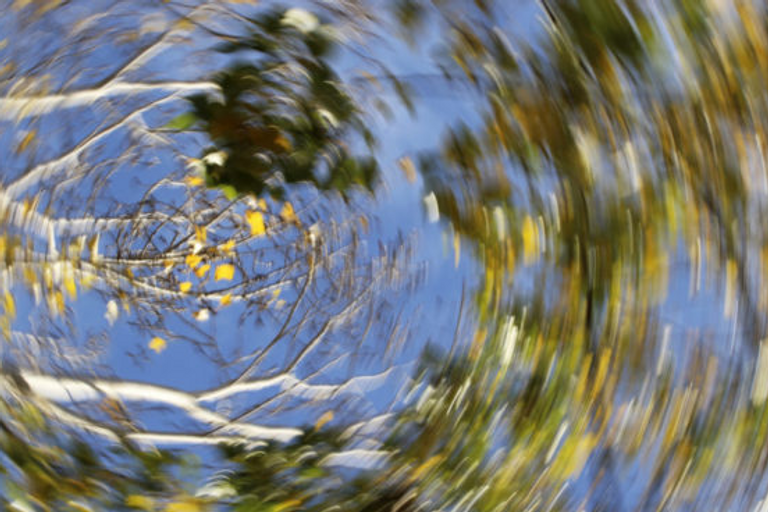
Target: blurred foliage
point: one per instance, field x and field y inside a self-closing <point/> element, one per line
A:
<point x="628" y="136"/>
<point x="283" y="115"/>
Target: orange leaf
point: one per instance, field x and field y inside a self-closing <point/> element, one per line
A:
<point x="26" y="141"/>
<point x="322" y="420"/>
<point x="406" y="165"/>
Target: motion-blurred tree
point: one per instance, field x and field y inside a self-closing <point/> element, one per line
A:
<point x="628" y="139"/>
<point x="625" y="138"/>
<point x="102" y="205"/>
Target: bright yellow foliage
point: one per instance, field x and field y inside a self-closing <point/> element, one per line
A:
<point x="183" y="506"/>
<point x="201" y="234"/>
<point x="287" y="213"/>
<point x="70" y="286"/>
<point x="9" y="304"/>
<point x="185" y="287"/>
<point x="193" y="260"/>
<point x="194" y="181"/>
<point x="225" y="272"/>
<point x="530" y="241"/>
<point x="256" y="222"/>
<point x="286" y="505"/>
<point x="227" y="247"/>
<point x="157" y="344"/>
<point x="140" y="502"/>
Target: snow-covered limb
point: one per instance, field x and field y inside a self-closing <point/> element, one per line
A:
<point x="64" y="389"/>
<point x="39" y="224"/>
<point x="69" y="161"/>
<point x="14" y="108"/>
<point x="358" y="458"/>
<point x="355" y="385"/>
<point x="72" y="391"/>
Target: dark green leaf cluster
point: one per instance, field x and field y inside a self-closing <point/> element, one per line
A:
<point x="283" y="115"/>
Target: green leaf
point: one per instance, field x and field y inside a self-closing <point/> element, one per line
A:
<point x="229" y="192"/>
<point x="182" y="122"/>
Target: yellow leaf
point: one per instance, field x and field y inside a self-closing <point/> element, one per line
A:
<point x="26" y="141"/>
<point x="530" y="241"/>
<point x="287" y="213"/>
<point x="29" y="275"/>
<point x="324" y="419"/>
<point x="406" y="165"/>
<point x="226" y="300"/>
<point x="227" y="247"/>
<point x="193" y="260"/>
<point x="70" y="287"/>
<point x="157" y="344"/>
<point x="5" y="327"/>
<point x="424" y="467"/>
<point x="9" y="305"/>
<point x="456" y="248"/>
<point x="286" y="505"/>
<point x="731" y="276"/>
<point x="140" y="502"/>
<point x="262" y="204"/>
<point x="183" y="506"/>
<point x="201" y="234"/>
<point x="224" y="272"/>
<point x="185" y="287"/>
<point x="574" y="454"/>
<point x="256" y="221"/>
<point x="194" y="181"/>
<point x="202" y="270"/>
<point x="282" y="143"/>
<point x="93" y="248"/>
<point x="87" y="281"/>
<point x="184" y="24"/>
<point x="58" y="297"/>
